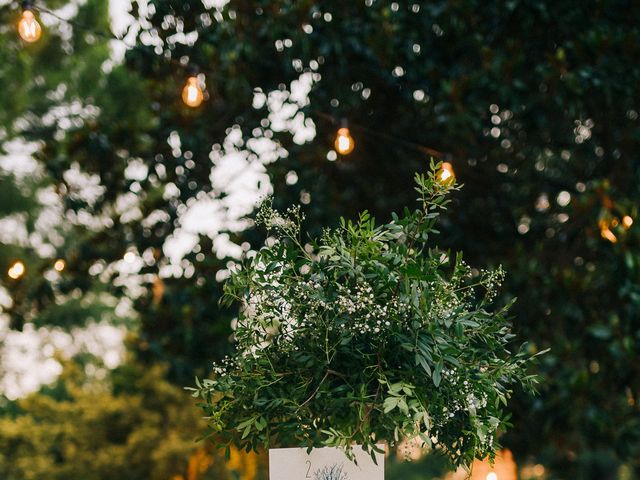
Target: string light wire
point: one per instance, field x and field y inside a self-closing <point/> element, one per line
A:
<point x="190" y="67"/>
<point x="17" y="270"/>
<point x="375" y="133"/>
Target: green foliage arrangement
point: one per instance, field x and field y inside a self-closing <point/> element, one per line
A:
<point x="366" y="335"/>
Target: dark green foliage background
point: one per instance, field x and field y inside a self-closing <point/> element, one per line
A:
<point x="550" y="63"/>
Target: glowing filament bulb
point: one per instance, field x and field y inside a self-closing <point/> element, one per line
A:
<point x="192" y="94"/>
<point x="16" y="270"/>
<point x="344" y="142"/>
<point x="28" y="27"/>
<point x="606" y="233"/>
<point x="627" y="221"/>
<point x="59" y="265"/>
<point x="492" y="476"/>
<point x="446" y="173"/>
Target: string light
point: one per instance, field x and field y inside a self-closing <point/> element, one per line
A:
<point x="192" y="94"/>
<point x="627" y="221"/>
<point x="492" y="476"/>
<point x="28" y="27"/>
<point x="59" y="265"/>
<point x="16" y="270"/>
<point x="344" y="141"/>
<point x="446" y="173"/>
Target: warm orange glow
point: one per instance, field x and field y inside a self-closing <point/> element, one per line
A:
<point x="608" y="235"/>
<point x="344" y="142"/>
<point x="16" y="270"/>
<point x="533" y="472"/>
<point x="29" y="28"/>
<point x="157" y="288"/>
<point x="243" y="465"/>
<point x="504" y="468"/>
<point x="446" y="173"/>
<point x="605" y="231"/>
<point x="59" y="265"/>
<point x="192" y="93"/>
<point x="627" y="221"/>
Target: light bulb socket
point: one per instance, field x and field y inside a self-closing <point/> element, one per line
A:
<point x="193" y="70"/>
<point x="27" y="5"/>
<point x="344" y="123"/>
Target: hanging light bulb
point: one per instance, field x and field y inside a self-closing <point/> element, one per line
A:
<point x="192" y="94"/>
<point x="16" y="270"/>
<point x="344" y="141"/>
<point x="28" y="27"/>
<point x="446" y="173"/>
<point x="627" y="221"/>
<point x="59" y="265"/>
<point x="502" y="468"/>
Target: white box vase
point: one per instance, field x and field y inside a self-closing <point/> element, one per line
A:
<point x="323" y="464"/>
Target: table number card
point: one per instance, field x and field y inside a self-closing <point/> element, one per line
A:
<point x="323" y="464"/>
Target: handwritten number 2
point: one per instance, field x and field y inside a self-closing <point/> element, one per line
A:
<point x="308" y="469"/>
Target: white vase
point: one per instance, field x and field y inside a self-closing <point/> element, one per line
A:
<point x="323" y="464"/>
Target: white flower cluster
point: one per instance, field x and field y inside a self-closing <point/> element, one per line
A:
<point x="266" y="313"/>
<point x="445" y="305"/>
<point x="286" y="310"/>
<point x="475" y="404"/>
<point x="467" y="399"/>
<point x="358" y="309"/>
<point x="223" y="366"/>
<point x="273" y="220"/>
<point x="491" y="280"/>
<point x="362" y="311"/>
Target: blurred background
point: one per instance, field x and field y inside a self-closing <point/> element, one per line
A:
<point x="137" y="137"/>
